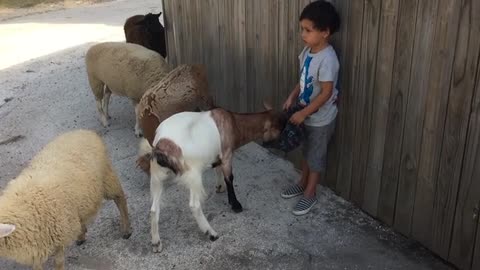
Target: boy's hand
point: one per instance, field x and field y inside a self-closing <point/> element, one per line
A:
<point x="287" y="104"/>
<point x="298" y="118"/>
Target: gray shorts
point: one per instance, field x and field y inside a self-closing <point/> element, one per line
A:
<point x="316" y="144"/>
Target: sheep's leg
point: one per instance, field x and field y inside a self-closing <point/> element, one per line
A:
<point x="103" y="117"/>
<point x="138" y="129"/>
<point x="81" y="237"/>
<point x="98" y="90"/>
<point x="60" y="259"/>
<point x="121" y="203"/>
<point x="227" y="173"/>
<point x="157" y="176"/>
<point x="114" y="191"/>
<point x="106" y="100"/>
<point x="193" y="179"/>
<point x="220" y="186"/>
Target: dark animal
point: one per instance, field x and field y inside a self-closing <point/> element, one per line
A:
<point x="146" y="30"/>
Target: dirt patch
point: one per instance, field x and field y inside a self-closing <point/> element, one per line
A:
<point x="10" y="9"/>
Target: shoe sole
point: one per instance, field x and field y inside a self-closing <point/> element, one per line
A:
<point x="303" y="212"/>
<point x="290" y="196"/>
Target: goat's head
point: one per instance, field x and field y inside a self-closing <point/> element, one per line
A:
<point x="274" y="124"/>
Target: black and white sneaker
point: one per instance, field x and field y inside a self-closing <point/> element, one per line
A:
<point x="304" y="205"/>
<point x="292" y="191"/>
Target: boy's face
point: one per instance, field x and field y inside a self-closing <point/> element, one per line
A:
<point x="312" y="36"/>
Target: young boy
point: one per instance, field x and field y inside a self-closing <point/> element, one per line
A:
<point x="316" y="94"/>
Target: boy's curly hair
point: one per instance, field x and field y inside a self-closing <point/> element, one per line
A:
<point x="323" y="15"/>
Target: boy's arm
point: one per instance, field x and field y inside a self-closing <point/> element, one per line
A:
<point x="295" y="92"/>
<point x="327" y="90"/>
<point x="292" y="97"/>
<point x="322" y="98"/>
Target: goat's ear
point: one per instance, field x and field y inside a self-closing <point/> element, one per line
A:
<point x="267" y="106"/>
<point x="6" y="229"/>
<point x="158" y="15"/>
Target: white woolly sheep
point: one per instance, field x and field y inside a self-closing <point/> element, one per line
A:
<point x="125" y="69"/>
<point x="188" y="143"/>
<point x="51" y="202"/>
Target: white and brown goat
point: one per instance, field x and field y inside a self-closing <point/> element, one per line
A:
<point x="188" y="143"/>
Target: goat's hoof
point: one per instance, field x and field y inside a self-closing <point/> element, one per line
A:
<point x="127" y="235"/>
<point x="212" y="236"/>
<point x="157" y="248"/>
<point x="80" y="242"/>
<point x="237" y="207"/>
<point x="220" y="189"/>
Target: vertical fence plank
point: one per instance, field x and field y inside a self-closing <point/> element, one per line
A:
<point x="415" y="113"/>
<point x="288" y="34"/>
<point x="250" y="37"/>
<point x="210" y="44"/>
<point x="339" y="43"/>
<point x="387" y="175"/>
<point x="262" y="51"/>
<point x="295" y="47"/>
<point x="468" y="202"/>
<point x="335" y="147"/>
<point x="476" y="254"/>
<point x="169" y="23"/>
<point x="381" y="89"/>
<point x="196" y="35"/>
<point x="232" y="93"/>
<point x="444" y="41"/>
<point x="349" y="96"/>
<point x="455" y="128"/>
<point x="364" y="89"/>
<point x="180" y="29"/>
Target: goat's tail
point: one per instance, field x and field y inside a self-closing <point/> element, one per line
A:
<point x="166" y="161"/>
<point x="144" y="148"/>
<point x="144" y="155"/>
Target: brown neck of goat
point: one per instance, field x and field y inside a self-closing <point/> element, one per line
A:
<point x="249" y="127"/>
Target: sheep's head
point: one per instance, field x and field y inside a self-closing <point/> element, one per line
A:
<point x="274" y="124"/>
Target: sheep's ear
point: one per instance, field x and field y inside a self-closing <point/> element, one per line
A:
<point x="6" y="229"/>
<point x="158" y="15"/>
<point x="267" y="106"/>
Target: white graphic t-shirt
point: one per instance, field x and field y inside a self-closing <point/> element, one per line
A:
<point x="322" y="66"/>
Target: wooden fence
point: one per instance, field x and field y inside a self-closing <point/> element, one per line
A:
<point x="407" y="144"/>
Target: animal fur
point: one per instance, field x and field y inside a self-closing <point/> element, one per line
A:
<point x="52" y="201"/>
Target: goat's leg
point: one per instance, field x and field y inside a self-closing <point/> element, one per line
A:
<point x="106" y="100"/>
<point x="220" y="186"/>
<point x="227" y="173"/>
<point x="138" y="129"/>
<point x="193" y="179"/>
<point x="157" y="176"/>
